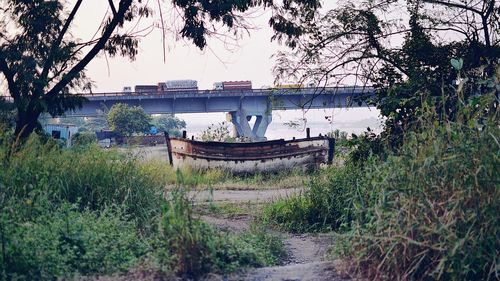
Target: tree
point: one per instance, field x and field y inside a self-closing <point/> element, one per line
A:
<point x="169" y="123"/>
<point x="128" y="120"/>
<point x="217" y="132"/>
<point x="409" y="51"/>
<point x="43" y="62"/>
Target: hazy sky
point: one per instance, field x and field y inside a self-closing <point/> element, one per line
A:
<point x="250" y="60"/>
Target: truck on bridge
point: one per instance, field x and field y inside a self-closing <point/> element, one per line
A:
<point x="178" y="85"/>
<point x="233" y="85"/>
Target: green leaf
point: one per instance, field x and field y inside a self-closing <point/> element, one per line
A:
<point x="457" y="64"/>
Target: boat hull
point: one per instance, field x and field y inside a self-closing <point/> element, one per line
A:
<point x="268" y="156"/>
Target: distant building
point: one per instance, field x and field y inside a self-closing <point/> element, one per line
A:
<point x="61" y="131"/>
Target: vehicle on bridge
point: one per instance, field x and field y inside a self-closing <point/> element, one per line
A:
<point x="127" y="90"/>
<point x="178" y="85"/>
<point x="233" y="85"/>
<point x="145" y="89"/>
<point x="289" y="86"/>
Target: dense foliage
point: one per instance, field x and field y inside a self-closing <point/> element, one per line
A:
<point x="128" y="119"/>
<point x="431" y="211"/>
<point x="400" y="49"/>
<point x="84" y="138"/>
<point x="425" y="211"/>
<point x="170" y="124"/>
<point x="88" y="211"/>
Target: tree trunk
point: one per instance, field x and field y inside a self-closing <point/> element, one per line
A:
<point x="26" y="123"/>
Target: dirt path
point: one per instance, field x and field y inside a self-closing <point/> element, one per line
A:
<point x="240" y="196"/>
<point x="306" y="252"/>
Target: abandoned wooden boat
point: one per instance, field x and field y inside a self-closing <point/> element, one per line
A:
<point x="266" y="156"/>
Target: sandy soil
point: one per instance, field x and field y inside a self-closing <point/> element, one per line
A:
<point x="306" y="256"/>
<point x="240" y="196"/>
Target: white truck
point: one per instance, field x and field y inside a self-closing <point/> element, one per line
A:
<point x="180" y="85"/>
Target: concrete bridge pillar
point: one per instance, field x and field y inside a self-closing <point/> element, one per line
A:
<point x="242" y="128"/>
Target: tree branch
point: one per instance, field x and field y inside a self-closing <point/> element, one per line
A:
<point x="117" y="19"/>
<point x="455" y="5"/>
<point x="484" y="20"/>
<point x="48" y="63"/>
<point x="9" y="75"/>
<point x="112" y="5"/>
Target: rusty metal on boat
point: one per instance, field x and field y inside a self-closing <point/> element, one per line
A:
<point x="266" y="156"/>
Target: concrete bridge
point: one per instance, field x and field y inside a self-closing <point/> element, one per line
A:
<point x="240" y="105"/>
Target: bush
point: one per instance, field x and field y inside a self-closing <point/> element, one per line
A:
<point x="331" y="200"/>
<point x="89" y="176"/>
<point x="436" y="210"/>
<point x="88" y="211"/>
<point x="426" y="211"/>
<point x="84" y="139"/>
<point x="81" y="211"/>
<point x="65" y="242"/>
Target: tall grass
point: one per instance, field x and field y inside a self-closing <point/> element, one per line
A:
<point x="90" y="177"/>
<point x="81" y="211"/>
<point x="221" y="179"/>
<point x="88" y="211"/>
<point x="330" y="200"/>
<point x="192" y="248"/>
<point x="428" y="211"/>
<point x="436" y="213"/>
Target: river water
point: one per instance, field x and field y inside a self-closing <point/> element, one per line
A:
<point x="355" y="120"/>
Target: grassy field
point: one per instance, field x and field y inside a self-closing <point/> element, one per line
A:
<point x="86" y="211"/>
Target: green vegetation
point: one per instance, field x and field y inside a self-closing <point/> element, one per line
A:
<point x="431" y="211"/>
<point x="228" y="209"/>
<point x="128" y="119"/>
<point x="425" y="210"/>
<point x="87" y="211"/>
<point x="193" y="248"/>
<point x="220" y="179"/>
<point x="39" y="40"/>
<point x="217" y="132"/>
<point x="169" y="123"/>
<point x="324" y="205"/>
<point x="84" y="138"/>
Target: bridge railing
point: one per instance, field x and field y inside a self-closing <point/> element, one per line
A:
<point x="225" y="93"/>
<point x="221" y="93"/>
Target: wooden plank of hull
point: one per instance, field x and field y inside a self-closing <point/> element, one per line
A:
<point x="267" y="156"/>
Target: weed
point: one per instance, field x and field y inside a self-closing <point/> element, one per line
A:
<point x="67" y="241"/>
<point x="192" y="248"/>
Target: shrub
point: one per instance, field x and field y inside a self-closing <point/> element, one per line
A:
<point x="436" y="215"/>
<point x="89" y="176"/>
<point x="65" y="242"/>
<point x="331" y="199"/>
<point x="88" y="211"/>
<point x="84" y="139"/>
<point x="425" y="211"/>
